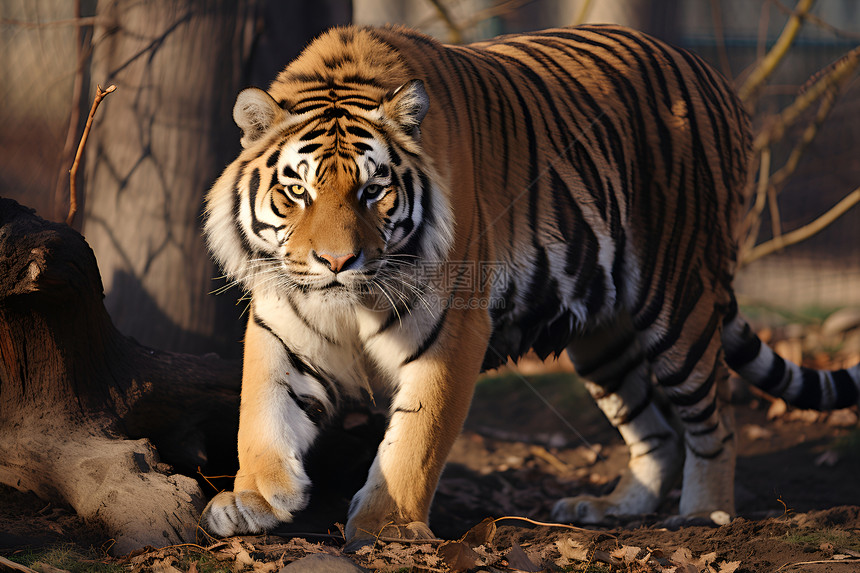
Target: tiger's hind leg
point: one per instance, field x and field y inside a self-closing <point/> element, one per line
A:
<point x="687" y="360"/>
<point x="619" y="378"/>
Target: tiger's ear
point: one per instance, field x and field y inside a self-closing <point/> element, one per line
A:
<point x="255" y="112"/>
<point x="407" y="106"/>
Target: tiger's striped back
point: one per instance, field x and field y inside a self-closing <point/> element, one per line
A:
<point x="598" y="171"/>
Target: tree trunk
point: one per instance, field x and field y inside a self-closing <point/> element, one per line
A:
<point x="83" y="408"/>
<point x="157" y="144"/>
<point x="163" y="138"/>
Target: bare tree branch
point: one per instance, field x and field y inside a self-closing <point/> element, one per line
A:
<point x="499" y="9"/>
<point x="774" y="57"/>
<point x="752" y="222"/>
<point x="824" y="85"/>
<point x="75" y="114"/>
<point x="833" y="78"/>
<point x="815" y="20"/>
<point x="582" y="13"/>
<point x="805" y="232"/>
<point x="454" y="31"/>
<point x="824" y="109"/>
<point x="73" y="172"/>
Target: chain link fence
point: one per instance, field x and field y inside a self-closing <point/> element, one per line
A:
<point x="40" y="53"/>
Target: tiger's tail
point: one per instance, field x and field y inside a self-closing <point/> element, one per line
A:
<point x="799" y="386"/>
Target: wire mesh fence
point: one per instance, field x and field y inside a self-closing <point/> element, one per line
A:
<point x="43" y="44"/>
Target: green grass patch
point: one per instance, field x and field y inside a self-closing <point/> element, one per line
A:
<point x="206" y="563"/>
<point x="835" y="537"/>
<point x="68" y="557"/>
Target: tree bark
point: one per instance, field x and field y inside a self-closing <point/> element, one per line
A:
<point x="162" y="140"/>
<point x="155" y="149"/>
<point x="84" y="411"/>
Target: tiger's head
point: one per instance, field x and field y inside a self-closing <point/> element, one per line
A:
<point x="332" y="194"/>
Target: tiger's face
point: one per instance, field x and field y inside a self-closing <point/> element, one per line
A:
<point x="330" y="197"/>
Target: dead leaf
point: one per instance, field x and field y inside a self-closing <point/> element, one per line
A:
<point x="844" y="418"/>
<point x="683" y="559"/>
<point x="571" y="550"/>
<point x="706" y="562"/>
<point x="481" y="534"/>
<point x="519" y="561"/>
<point x="777" y="409"/>
<point x="682" y="556"/>
<point x="729" y="566"/>
<point x="755" y="432"/>
<point x="241" y="554"/>
<point x="165" y="566"/>
<point x="606" y="558"/>
<point x="626" y="553"/>
<point x="708" y="558"/>
<point x="458" y="556"/>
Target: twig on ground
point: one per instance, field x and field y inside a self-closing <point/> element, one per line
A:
<point x="546" y="524"/>
<point x="545" y="455"/>
<point x="832" y="561"/>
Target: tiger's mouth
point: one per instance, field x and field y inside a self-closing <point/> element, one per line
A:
<point x="334" y="285"/>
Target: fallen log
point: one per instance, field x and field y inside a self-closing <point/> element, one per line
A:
<point x="88" y="417"/>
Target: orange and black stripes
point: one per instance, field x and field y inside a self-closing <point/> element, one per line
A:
<point x="603" y="168"/>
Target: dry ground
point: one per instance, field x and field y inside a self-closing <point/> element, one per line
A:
<point x="798" y="499"/>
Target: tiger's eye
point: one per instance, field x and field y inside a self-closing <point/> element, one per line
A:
<point x="297" y="190"/>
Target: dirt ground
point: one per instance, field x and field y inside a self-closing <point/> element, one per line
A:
<point x="798" y="498"/>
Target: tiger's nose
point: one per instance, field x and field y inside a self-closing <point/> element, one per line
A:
<point x="337" y="263"/>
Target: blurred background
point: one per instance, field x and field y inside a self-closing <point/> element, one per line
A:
<point x="163" y="137"/>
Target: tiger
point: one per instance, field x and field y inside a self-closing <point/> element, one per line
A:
<point x="406" y="214"/>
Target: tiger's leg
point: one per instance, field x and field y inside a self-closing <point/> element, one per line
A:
<point x="427" y="413"/>
<point x="274" y="433"/>
<point x="692" y="372"/>
<point x="619" y="379"/>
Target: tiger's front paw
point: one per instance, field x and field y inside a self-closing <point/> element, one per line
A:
<point x="236" y="513"/>
<point x="373" y="513"/>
